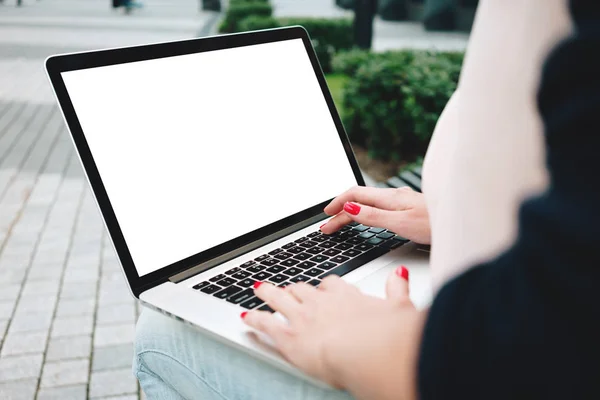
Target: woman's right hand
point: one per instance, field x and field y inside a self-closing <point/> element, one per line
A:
<point x="402" y="211"/>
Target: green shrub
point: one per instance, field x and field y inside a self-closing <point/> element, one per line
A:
<point x="255" y="23"/>
<point x="238" y="11"/>
<point x="393" y="103"/>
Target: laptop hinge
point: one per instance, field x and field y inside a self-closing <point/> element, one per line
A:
<point x="195" y="270"/>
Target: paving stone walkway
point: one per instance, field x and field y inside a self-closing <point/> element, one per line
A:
<point x="66" y="317"/>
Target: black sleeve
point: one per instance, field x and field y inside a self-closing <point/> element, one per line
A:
<point x="527" y="325"/>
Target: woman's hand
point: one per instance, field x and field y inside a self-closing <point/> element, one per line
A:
<point x="402" y="211"/>
<point x="343" y="337"/>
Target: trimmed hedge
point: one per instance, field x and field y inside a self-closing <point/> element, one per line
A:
<point x="240" y="10"/>
<point x="328" y="36"/>
<point x="395" y="98"/>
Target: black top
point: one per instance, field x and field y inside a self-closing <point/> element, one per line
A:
<point x="527" y="325"/>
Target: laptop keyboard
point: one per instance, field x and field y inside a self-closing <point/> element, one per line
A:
<point x="308" y="259"/>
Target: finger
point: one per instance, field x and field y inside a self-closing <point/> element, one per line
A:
<point x="302" y="291"/>
<point x="372" y="216"/>
<point x="278" y="299"/>
<point x="377" y="197"/>
<point x="268" y="324"/>
<point x="396" y="286"/>
<point x="335" y="223"/>
<point x="334" y="283"/>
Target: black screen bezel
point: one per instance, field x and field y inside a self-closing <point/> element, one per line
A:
<point x="55" y="65"/>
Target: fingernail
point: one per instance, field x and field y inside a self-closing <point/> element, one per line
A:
<point x="352" y="208"/>
<point x="257" y="284"/>
<point x="402" y="272"/>
<point x="243" y="315"/>
<point x="323" y="225"/>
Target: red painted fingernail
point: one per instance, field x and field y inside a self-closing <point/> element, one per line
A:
<point x="352" y="208"/>
<point x="402" y="272"/>
<point x="257" y="284"/>
<point x="243" y="315"/>
<point x="323" y="225"/>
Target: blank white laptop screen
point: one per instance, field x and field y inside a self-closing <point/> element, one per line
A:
<point x="199" y="149"/>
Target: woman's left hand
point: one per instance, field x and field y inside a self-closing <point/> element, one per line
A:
<point x="341" y="336"/>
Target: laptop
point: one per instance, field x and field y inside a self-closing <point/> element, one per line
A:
<point x="211" y="161"/>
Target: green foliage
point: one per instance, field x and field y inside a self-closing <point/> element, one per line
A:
<point x="239" y="10"/>
<point x="255" y="23"/>
<point x="395" y="99"/>
<point x="336" y="84"/>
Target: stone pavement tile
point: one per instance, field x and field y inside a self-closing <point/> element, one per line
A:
<point x="72" y="326"/>
<point x="3" y="325"/>
<point x="63" y="373"/>
<point x="78" y="290"/>
<point x="81" y="275"/>
<point x="6" y="309"/>
<point x="116" y="313"/>
<point x="75" y="307"/>
<point x="31" y="322"/>
<point x="36" y="304"/>
<point x="20" y="367"/>
<point x="114" y="295"/>
<point x="8" y="276"/>
<point x="9" y="292"/>
<point x="19" y="390"/>
<point x="24" y="343"/>
<point x="114" y="334"/>
<point x="45" y="287"/>
<point x="112" y="357"/>
<point x="45" y="273"/>
<point x="111" y="383"/>
<point x="69" y="347"/>
<point x="125" y="397"/>
<point x="77" y="392"/>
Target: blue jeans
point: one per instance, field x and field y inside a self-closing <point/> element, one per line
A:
<point x="175" y="361"/>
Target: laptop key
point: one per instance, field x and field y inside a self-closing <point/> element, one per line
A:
<point x="241" y="296"/>
<point x="328" y="244"/>
<point x="290" y="262"/>
<point x="385" y="235"/>
<point x="278" y="278"/>
<point x="241" y="275"/>
<point x="374" y="241"/>
<point x="366" y="235"/>
<point x="296" y="250"/>
<point x="262" y="276"/>
<point x="315" y="250"/>
<point x="225" y="293"/>
<point x="405" y="240"/>
<point x="302" y="239"/>
<point x="351" y="253"/>
<point x="201" y="285"/>
<point x="261" y="258"/>
<point x="284" y="284"/>
<point x="217" y="278"/>
<point x="210" y="289"/>
<point x="351" y="224"/>
<point x="226" y="282"/>
<point x="302" y="256"/>
<point x="233" y="271"/>
<point x="314" y="272"/>
<point x="360" y="228"/>
<point x="306" y="264"/>
<point x="289" y="245"/>
<point x="320" y="238"/>
<point x="276" y="269"/>
<point x="357" y="262"/>
<point x="376" y="230"/>
<point x="339" y="259"/>
<point x="299" y="278"/>
<point x="343" y="246"/>
<point x="314" y="282"/>
<point x="247" y="264"/>
<point x="327" y="265"/>
<point x="363" y="247"/>
<point x="354" y="241"/>
<point x="319" y="258"/>
<point x="312" y="235"/>
<point x="276" y="251"/>
<point x="331" y="252"/>
<point x="392" y="244"/>
<point x="255" y="268"/>
<point x="292" y="271"/>
<point x="266" y="308"/>
<point x="308" y="244"/>
<point x="246" y="282"/>
<point x="270" y="262"/>
<point x="339" y="239"/>
<point x="283" y="256"/>
<point x="252" y="303"/>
